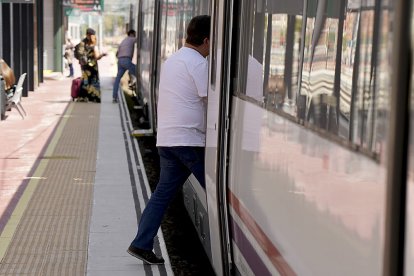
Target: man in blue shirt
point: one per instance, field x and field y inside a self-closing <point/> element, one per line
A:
<point x="124" y="54"/>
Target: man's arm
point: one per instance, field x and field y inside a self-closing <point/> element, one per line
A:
<point x="199" y="74"/>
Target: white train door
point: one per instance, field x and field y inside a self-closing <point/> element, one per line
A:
<point x="217" y="137"/>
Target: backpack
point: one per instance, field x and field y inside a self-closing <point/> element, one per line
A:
<point x="80" y="53"/>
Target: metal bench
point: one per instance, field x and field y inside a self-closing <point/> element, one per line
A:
<point x="15" y="100"/>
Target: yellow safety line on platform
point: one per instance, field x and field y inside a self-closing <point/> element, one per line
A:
<point x="11" y="226"/>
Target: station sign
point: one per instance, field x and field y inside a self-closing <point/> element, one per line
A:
<point x="18" y="1"/>
<point x="84" y="5"/>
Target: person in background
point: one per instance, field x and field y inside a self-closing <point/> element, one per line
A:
<point x="8" y="81"/>
<point x="69" y="47"/>
<point x="181" y="131"/>
<point x="9" y="78"/>
<point x="7" y="74"/>
<point x="90" y="88"/>
<point x="124" y="54"/>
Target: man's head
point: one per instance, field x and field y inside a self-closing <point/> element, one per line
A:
<point x="132" y="33"/>
<point x="198" y="33"/>
<point x="198" y="29"/>
<point x="91" y="36"/>
<point x="90" y="31"/>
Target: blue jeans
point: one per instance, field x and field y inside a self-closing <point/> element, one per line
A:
<point x="176" y="163"/>
<point x="124" y="63"/>
<point x="71" y="74"/>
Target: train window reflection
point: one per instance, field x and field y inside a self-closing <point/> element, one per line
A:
<point x="271" y="37"/>
<point x="317" y="93"/>
<point x="174" y="18"/>
<point x="322" y="62"/>
<point x="281" y="75"/>
<point x="176" y="14"/>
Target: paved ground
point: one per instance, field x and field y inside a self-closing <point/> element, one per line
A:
<point x="23" y="142"/>
<point x="71" y="187"/>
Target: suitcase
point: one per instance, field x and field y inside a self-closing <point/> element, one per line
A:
<point x="75" y="89"/>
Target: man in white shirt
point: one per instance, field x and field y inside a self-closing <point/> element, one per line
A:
<point x="181" y="131"/>
<point x="124" y="54"/>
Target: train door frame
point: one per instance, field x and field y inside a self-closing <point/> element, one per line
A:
<point x="409" y="209"/>
<point x="149" y="104"/>
<point x="154" y="66"/>
<point x="223" y="19"/>
<point x="1" y="30"/>
<point x="397" y="154"/>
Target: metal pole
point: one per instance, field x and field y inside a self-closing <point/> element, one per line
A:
<point x="58" y="39"/>
<point x="11" y="64"/>
<point x="100" y="33"/>
<point x="1" y="29"/>
<point x="40" y="42"/>
<point x="398" y="141"/>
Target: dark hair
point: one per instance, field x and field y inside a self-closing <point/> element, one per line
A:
<point x="90" y="31"/>
<point x="198" y="29"/>
<point x="7" y="73"/>
<point x="130" y="32"/>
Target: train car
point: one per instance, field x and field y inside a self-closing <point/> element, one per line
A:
<point x="308" y="151"/>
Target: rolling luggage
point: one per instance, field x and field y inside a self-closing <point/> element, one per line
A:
<point x="75" y="89"/>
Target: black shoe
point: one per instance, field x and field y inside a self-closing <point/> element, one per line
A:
<point x="146" y="256"/>
<point x="114" y="100"/>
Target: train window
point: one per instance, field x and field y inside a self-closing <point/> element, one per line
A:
<point x="364" y="81"/>
<point x="145" y="41"/>
<point x="320" y="63"/>
<point x="145" y="59"/>
<point x="214" y="40"/>
<point x="175" y="16"/>
<point x="269" y="52"/>
<point x="317" y="82"/>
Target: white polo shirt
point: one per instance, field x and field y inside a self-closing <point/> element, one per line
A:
<point x="181" y="107"/>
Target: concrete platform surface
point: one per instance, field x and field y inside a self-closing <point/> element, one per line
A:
<point x="72" y="186"/>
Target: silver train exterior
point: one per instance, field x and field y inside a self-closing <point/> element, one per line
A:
<point x="310" y="135"/>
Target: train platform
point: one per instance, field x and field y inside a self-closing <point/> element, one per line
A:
<point x="72" y="186"/>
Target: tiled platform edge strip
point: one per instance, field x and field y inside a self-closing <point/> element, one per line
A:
<point x="139" y="183"/>
<point x="119" y="192"/>
<point x="51" y="238"/>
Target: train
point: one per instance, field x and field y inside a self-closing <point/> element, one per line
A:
<point x="309" y="139"/>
